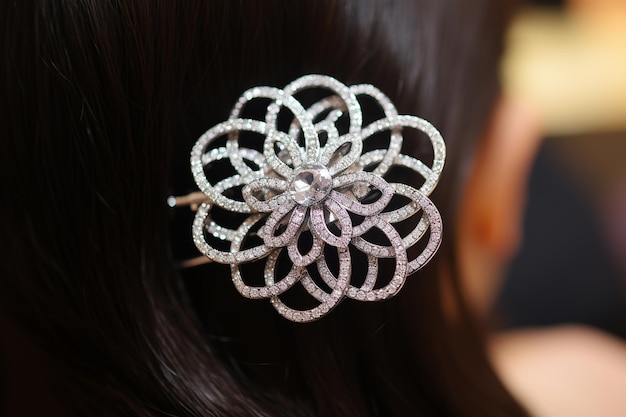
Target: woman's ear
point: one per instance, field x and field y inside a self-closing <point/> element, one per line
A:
<point x="490" y="215"/>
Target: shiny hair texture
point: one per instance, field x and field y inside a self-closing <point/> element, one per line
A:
<point x="101" y="103"/>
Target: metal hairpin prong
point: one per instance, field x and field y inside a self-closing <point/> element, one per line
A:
<point x="193" y="200"/>
<point x="197" y="261"/>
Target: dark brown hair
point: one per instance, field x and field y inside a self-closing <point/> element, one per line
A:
<point x="101" y="102"/>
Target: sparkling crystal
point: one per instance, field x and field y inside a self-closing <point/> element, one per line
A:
<point x="311" y="184"/>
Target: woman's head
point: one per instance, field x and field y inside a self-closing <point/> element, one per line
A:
<point x="103" y="103"/>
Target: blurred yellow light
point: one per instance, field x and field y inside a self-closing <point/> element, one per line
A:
<point x="571" y="66"/>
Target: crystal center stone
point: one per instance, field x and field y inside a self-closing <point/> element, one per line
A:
<point x="311" y="184"/>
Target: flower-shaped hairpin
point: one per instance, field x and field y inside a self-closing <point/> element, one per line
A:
<point x="310" y="197"/>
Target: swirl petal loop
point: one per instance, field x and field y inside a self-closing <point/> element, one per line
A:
<point x="341" y="90"/>
<point x="328" y="303"/>
<point x="221" y="256"/>
<point x="312" y="144"/>
<point x="311" y="256"/>
<point x="333" y="154"/>
<point x="232" y="145"/>
<point x="261" y="184"/>
<point x="395" y="250"/>
<point x="320" y="229"/>
<point x="358" y="293"/>
<point x="365" y="178"/>
<point x="271" y="288"/>
<point x="290" y="151"/>
<point x="395" y="141"/>
<point x="414" y="122"/>
<point x="296" y="216"/>
<point x="199" y="159"/>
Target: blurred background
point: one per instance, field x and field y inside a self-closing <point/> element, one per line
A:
<point x="568" y="60"/>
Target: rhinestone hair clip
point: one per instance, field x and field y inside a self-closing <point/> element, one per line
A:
<point x="302" y="191"/>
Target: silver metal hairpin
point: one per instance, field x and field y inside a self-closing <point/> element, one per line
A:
<point x="313" y="181"/>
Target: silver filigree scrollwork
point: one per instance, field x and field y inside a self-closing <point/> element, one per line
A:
<point x="311" y="180"/>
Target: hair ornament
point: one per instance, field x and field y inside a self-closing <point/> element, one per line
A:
<point x="302" y="190"/>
